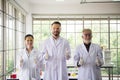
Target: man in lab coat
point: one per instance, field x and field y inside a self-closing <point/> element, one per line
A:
<point x="56" y="51"/>
<point x="88" y="58"/>
<point x="29" y="62"/>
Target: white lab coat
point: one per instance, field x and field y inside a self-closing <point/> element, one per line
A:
<point x="89" y="70"/>
<point x="30" y="69"/>
<point x="55" y="65"/>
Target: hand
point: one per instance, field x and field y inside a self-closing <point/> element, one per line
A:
<point x="67" y="54"/>
<point x="81" y="62"/>
<point x="46" y="55"/>
<point x="97" y="61"/>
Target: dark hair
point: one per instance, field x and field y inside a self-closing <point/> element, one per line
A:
<point x="29" y="35"/>
<point x="56" y="22"/>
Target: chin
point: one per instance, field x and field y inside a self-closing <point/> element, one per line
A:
<point x="87" y="42"/>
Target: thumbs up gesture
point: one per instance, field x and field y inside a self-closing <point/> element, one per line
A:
<point x="21" y="61"/>
<point x="46" y="55"/>
<point x="67" y="54"/>
<point x="81" y="61"/>
<point x="97" y="61"/>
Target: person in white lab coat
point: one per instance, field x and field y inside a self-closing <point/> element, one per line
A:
<point x="29" y="62"/>
<point x="88" y="58"/>
<point x="56" y="51"/>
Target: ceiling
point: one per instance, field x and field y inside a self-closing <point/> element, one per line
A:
<point x="69" y="1"/>
<point x="54" y="2"/>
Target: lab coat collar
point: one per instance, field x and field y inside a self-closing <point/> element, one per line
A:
<point x="33" y="50"/>
<point x="57" y="43"/>
<point x="90" y="48"/>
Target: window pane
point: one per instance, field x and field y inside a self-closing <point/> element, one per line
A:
<point x="64" y="35"/>
<point x="46" y="23"/>
<point x="63" y="28"/>
<point x="113" y="55"/>
<point x="37" y="28"/>
<point x="46" y="29"/>
<point x="11" y="40"/>
<point x="36" y="22"/>
<point x="19" y="40"/>
<point x="104" y="27"/>
<point x="10" y="9"/>
<point x="37" y="40"/>
<point x="96" y="38"/>
<point x="70" y="28"/>
<point x="113" y="27"/>
<point x="10" y="60"/>
<point x="104" y="39"/>
<point x="45" y="35"/>
<point x="71" y="39"/>
<point x="78" y="28"/>
<point x="118" y="27"/>
<point x="1" y="38"/>
<point x="78" y="22"/>
<point x="1" y="18"/>
<point x="118" y="40"/>
<point x="113" y="40"/>
<point x="78" y="39"/>
<point x="95" y="27"/>
<point x="1" y="4"/>
<point x="113" y="21"/>
<point x="1" y="62"/>
<point x="87" y="24"/>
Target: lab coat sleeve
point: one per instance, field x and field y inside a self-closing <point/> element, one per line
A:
<point x="18" y="67"/>
<point x="68" y="49"/>
<point x="44" y="51"/>
<point x="76" y="56"/>
<point x="100" y="55"/>
<point x="39" y="61"/>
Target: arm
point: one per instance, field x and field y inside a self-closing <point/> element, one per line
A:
<point x="39" y="62"/>
<point x="67" y="51"/>
<point x="20" y="61"/>
<point x="44" y="52"/>
<point x="76" y="58"/>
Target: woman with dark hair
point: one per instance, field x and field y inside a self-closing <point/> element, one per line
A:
<point x="28" y="61"/>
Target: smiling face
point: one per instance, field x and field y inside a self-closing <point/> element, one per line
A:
<point x="55" y="29"/>
<point x="29" y="42"/>
<point x="87" y="36"/>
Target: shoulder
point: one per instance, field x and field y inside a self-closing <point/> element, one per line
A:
<point x="79" y="46"/>
<point x="63" y="39"/>
<point x="96" y="45"/>
<point x="47" y="40"/>
<point x="21" y="52"/>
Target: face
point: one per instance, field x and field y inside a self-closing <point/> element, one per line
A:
<point x="87" y="36"/>
<point x="29" y="42"/>
<point x="56" y="28"/>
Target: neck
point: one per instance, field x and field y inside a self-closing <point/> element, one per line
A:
<point x="29" y="49"/>
<point x="55" y="37"/>
<point x="87" y="43"/>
